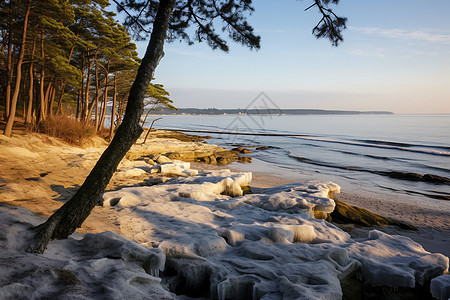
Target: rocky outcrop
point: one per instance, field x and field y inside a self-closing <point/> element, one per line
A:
<point x="241" y="150"/>
<point x="417" y="177"/>
<point x="348" y="214"/>
<point x="222" y="157"/>
<point x="179" y="146"/>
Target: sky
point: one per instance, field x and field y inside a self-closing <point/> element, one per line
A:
<point x="395" y="57"/>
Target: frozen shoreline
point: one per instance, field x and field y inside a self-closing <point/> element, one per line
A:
<point x="209" y="238"/>
<point x="431" y="217"/>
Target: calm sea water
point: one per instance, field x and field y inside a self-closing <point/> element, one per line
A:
<point x="359" y="152"/>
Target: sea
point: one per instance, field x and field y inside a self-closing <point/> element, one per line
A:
<point x="373" y="154"/>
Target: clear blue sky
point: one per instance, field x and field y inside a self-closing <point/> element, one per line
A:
<point x="395" y="56"/>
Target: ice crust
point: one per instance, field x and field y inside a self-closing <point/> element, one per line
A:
<point x="440" y="287"/>
<point x="212" y="241"/>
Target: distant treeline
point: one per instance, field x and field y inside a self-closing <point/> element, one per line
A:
<point x="263" y="111"/>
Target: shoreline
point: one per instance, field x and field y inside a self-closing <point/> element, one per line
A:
<point x="431" y="220"/>
<point x="155" y="235"/>
<point x="61" y="182"/>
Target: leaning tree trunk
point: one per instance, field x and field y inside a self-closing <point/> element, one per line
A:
<point x="73" y="213"/>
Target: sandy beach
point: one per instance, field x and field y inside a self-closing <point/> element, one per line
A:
<point x="41" y="173"/>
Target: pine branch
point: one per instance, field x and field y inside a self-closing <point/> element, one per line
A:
<point x="135" y="20"/>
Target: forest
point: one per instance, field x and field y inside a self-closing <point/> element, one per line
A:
<point x="71" y="58"/>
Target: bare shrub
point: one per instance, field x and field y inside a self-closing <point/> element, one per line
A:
<point x="66" y="128"/>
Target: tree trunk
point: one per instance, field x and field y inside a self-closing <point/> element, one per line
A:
<point x="105" y="100"/>
<point x="51" y="101"/>
<point x="87" y="111"/>
<point x="63" y="86"/>
<point x="47" y="98"/>
<point x="96" y="92"/>
<point x="59" y="110"/>
<point x="12" y="113"/>
<point x="43" y="104"/>
<point x="120" y="112"/>
<point x="31" y="87"/>
<point x="111" y="129"/>
<point x="9" y="64"/>
<point x="80" y="91"/>
<point x="73" y="213"/>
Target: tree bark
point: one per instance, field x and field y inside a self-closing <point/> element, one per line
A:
<point x="96" y="92"/>
<point x="63" y="85"/>
<point x="73" y="213"/>
<point x="105" y="100"/>
<point x="87" y="111"/>
<point x="43" y="104"/>
<point x="9" y="64"/>
<point x="59" y="110"/>
<point x="111" y="129"/>
<point x="47" y="97"/>
<point x="12" y="113"/>
<point x="81" y="91"/>
<point x="51" y="100"/>
<point x="31" y="87"/>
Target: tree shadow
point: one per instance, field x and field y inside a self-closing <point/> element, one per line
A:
<point x="65" y="193"/>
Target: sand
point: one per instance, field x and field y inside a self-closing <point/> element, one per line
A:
<point x="41" y="173"/>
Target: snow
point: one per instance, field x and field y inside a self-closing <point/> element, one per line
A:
<point x="200" y="236"/>
<point x="440" y="287"/>
<point x="96" y="266"/>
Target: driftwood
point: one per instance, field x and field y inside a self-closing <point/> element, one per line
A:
<point x="150" y="129"/>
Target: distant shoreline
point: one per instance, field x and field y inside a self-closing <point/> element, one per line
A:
<point x="264" y="111"/>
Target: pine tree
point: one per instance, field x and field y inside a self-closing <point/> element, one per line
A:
<point x="169" y="19"/>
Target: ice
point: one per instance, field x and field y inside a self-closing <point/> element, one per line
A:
<point x="208" y="240"/>
<point x="232" y="237"/>
<point x="96" y="266"/>
<point x="396" y="261"/>
<point x="297" y="198"/>
<point x="440" y="287"/>
<point x="292" y="234"/>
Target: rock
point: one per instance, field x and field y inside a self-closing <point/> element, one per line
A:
<point x="226" y="157"/>
<point x="435" y="179"/>
<point x="404" y="176"/>
<point x="172" y="170"/>
<point x="245" y="159"/>
<point x="188" y="155"/>
<point x="177" y="135"/>
<point x="160" y="159"/>
<point x="241" y="150"/>
<point x="263" y="147"/>
<point x="211" y="159"/>
<point x="155" y="169"/>
<point x="417" y="177"/>
<point x="345" y="213"/>
<point x="150" y="161"/>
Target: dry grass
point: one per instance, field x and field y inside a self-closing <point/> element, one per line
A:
<point x="66" y="128"/>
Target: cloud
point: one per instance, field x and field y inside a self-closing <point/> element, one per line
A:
<point x="421" y="35"/>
